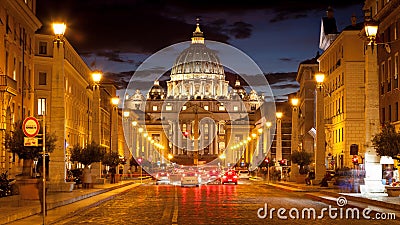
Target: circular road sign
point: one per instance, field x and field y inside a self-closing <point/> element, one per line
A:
<point x="31" y="127"/>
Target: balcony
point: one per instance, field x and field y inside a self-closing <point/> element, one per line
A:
<point x="7" y="84"/>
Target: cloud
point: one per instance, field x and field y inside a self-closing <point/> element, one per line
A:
<point x="286" y="59"/>
<point x="114" y="56"/>
<point x="241" y="30"/>
<point x="147" y="26"/>
<point x="275" y="78"/>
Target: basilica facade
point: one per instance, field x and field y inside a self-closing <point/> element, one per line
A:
<point x="199" y="117"/>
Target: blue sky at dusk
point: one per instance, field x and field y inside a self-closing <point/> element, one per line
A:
<point x="116" y="36"/>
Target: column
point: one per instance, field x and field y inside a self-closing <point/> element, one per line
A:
<point x="373" y="168"/>
<point x="319" y="155"/>
<point x="295" y="115"/>
<point x="57" y="169"/>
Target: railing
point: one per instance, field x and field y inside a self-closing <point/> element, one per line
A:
<point x="8" y="84"/>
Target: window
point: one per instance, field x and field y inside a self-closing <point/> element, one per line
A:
<point x="168" y="107"/>
<point x="390" y="113"/>
<point x="235" y="108"/>
<point x="342" y="134"/>
<point x="383" y="115"/>
<point x="206" y="107"/>
<point x="42" y="78"/>
<point x="42" y="48"/>
<point x="184" y="107"/>
<point x="389" y="74"/>
<point x="221" y="108"/>
<point x="155" y="108"/>
<point x="41" y="106"/>
<point x="396" y="71"/>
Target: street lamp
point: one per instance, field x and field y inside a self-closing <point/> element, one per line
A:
<point x="319" y="157"/>
<point x="96" y="77"/>
<point x="59" y="30"/>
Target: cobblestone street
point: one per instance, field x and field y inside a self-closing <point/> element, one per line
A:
<point x="209" y="204"/>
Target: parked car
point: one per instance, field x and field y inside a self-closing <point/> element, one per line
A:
<point x="229" y="176"/>
<point x="162" y="178"/>
<point x="190" y="179"/>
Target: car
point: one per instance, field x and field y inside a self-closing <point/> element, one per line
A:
<point x="214" y="176"/>
<point x="162" y="178"/>
<point x="190" y="178"/>
<point x="229" y="176"/>
<point x="243" y="174"/>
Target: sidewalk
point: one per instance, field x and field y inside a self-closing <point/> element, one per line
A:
<point x="378" y="202"/>
<point x="59" y="204"/>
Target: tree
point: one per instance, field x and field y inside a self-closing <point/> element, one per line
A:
<point x="301" y="158"/>
<point x="387" y="142"/>
<point x="111" y="159"/>
<point x="14" y="142"/>
<point x="93" y="152"/>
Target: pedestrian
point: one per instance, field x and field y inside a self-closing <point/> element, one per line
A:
<point x="113" y="172"/>
<point x="324" y="182"/>
<point x="40" y="184"/>
<point x="308" y="178"/>
<point x="87" y="177"/>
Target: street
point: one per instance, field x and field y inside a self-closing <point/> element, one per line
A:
<point x="209" y="204"/>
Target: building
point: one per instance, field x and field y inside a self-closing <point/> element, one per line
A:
<point x="77" y="110"/>
<point x="306" y="95"/>
<point x="387" y="13"/>
<point x="343" y="64"/>
<point x="18" y="26"/>
<point x="199" y="117"/>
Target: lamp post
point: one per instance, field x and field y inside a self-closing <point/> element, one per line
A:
<point x="278" y="154"/>
<point x="373" y="168"/>
<point x="295" y="115"/>
<point x="268" y="124"/>
<point x="96" y="77"/>
<point x="114" y="124"/>
<point x="223" y="157"/>
<point x="319" y="153"/>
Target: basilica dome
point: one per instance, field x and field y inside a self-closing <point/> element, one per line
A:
<point x="197" y="72"/>
<point x="197" y="59"/>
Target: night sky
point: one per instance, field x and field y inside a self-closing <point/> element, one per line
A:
<point x="116" y="36"/>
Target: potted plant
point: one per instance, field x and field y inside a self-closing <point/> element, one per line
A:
<point x="387" y="145"/>
<point x="303" y="159"/>
<point x="92" y="153"/>
<point x="14" y="142"/>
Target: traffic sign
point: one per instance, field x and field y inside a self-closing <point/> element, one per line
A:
<point x="28" y="141"/>
<point x="30" y="127"/>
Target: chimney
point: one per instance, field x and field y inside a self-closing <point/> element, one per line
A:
<point x="353" y="20"/>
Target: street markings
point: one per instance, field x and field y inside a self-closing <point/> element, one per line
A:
<point x="175" y="215"/>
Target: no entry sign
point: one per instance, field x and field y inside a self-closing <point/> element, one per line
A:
<point x="31" y="127"/>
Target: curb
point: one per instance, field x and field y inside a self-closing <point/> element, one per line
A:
<point x="377" y="203"/>
<point x="97" y="203"/>
<point x="290" y="189"/>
